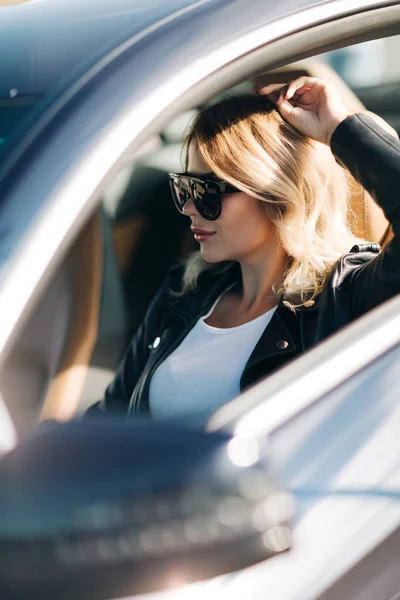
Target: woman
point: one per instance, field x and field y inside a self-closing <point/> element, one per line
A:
<point x="278" y="268"/>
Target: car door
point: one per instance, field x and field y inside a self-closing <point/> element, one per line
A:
<point x="336" y="447"/>
<point x="81" y="171"/>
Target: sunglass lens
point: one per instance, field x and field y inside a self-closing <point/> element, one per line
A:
<point x="205" y="195"/>
<point x="180" y="192"/>
<point x="206" y="199"/>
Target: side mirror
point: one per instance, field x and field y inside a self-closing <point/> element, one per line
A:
<point x="105" y="509"/>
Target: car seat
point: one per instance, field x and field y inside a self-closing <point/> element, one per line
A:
<point x="149" y="233"/>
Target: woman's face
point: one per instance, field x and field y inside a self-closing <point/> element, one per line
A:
<point x="241" y="233"/>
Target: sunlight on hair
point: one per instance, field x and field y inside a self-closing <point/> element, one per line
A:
<point x="246" y="142"/>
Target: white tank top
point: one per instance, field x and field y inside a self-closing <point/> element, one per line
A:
<point x="204" y="371"/>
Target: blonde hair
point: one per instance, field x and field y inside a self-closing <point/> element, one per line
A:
<point x="245" y="141"/>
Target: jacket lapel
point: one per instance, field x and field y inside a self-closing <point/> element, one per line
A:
<point x="275" y="343"/>
<point x="275" y="339"/>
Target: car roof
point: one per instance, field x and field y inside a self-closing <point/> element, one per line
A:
<point x="50" y="44"/>
<point x="43" y="39"/>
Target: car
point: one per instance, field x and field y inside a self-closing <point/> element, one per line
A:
<point x="94" y="101"/>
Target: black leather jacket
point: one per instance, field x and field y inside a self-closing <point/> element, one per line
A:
<point x="359" y="281"/>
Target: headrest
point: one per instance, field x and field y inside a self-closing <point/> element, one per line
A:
<point x="175" y="131"/>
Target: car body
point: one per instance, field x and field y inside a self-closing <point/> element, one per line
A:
<point x="90" y="85"/>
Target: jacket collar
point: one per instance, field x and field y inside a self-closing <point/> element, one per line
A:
<point x="281" y="337"/>
<point x="285" y="336"/>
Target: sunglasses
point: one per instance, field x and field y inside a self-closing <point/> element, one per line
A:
<point x="205" y="193"/>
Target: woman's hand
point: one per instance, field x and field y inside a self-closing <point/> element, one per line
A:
<point x="311" y="105"/>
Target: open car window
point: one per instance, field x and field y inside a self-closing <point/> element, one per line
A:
<point x="122" y="254"/>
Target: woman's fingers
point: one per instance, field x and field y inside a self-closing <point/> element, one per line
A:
<point x="276" y="92"/>
<point x="311" y="105"/>
<point x="271" y="91"/>
<point x="271" y="88"/>
<point x="299" y="86"/>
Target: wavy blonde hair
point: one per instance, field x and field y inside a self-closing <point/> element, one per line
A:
<point x="245" y="141"/>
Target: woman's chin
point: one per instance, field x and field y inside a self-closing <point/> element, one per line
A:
<point x="212" y="256"/>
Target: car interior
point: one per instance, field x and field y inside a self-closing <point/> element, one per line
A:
<point x="100" y="293"/>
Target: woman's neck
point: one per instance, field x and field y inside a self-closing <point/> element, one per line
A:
<point x="260" y="280"/>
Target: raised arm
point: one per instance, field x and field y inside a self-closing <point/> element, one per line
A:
<point x="370" y="153"/>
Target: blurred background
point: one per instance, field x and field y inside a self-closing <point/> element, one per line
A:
<point x="372" y="70"/>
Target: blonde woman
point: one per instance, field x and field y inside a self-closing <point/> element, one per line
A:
<point x="278" y="268"/>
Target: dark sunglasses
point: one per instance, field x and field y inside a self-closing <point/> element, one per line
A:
<point x="205" y="193"/>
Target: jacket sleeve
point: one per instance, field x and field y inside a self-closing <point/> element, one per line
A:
<point x="373" y="157"/>
<point x="118" y="394"/>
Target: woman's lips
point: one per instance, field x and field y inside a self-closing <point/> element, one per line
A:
<point x="200" y="235"/>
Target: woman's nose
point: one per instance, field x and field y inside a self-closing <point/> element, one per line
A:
<point x="189" y="208"/>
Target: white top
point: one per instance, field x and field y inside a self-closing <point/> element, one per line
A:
<point x="204" y="371"/>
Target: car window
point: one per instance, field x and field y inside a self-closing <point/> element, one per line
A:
<point x="368" y="64"/>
